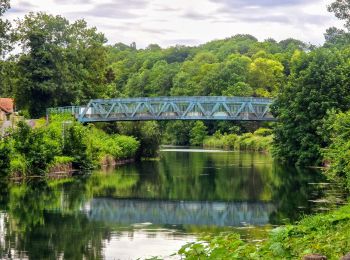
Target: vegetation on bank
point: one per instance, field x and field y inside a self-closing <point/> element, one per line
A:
<point x="26" y="151"/>
<point x="327" y="234"/>
<point x="337" y="154"/>
<point x="260" y="140"/>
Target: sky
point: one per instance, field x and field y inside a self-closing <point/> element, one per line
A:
<point x="190" y="22"/>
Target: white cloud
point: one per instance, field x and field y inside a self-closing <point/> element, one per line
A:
<point x="167" y="22"/>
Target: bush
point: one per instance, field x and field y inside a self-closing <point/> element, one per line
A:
<point x="33" y="151"/>
<point x="198" y="133"/>
<point x="260" y="140"/>
<point x="337" y="154"/>
<point x="5" y="152"/>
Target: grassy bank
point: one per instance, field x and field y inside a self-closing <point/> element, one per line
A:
<point x="260" y="140"/>
<point x="63" y="143"/>
<point x="327" y="234"/>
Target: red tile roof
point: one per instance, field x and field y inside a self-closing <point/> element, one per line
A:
<point x="7" y="105"/>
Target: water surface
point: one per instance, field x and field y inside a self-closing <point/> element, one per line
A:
<point x="154" y="207"/>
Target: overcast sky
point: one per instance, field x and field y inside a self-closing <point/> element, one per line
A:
<point x="191" y="22"/>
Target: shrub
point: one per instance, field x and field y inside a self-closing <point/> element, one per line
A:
<point x="33" y="151"/>
<point x="260" y="140"/>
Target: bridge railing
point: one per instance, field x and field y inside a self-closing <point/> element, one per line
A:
<point x="73" y="110"/>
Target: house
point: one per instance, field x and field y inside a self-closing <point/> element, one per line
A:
<point x="6" y="108"/>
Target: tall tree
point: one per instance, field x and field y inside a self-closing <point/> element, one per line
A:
<point x="62" y="63"/>
<point x="5" y="36"/>
<point x="319" y="82"/>
<point x="266" y="76"/>
<point x="341" y="9"/>
<point x="6" y="68"/>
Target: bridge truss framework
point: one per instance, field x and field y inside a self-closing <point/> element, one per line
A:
<point x="173" y="108"/>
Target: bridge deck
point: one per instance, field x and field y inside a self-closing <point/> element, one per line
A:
<point x="173" y="108"/>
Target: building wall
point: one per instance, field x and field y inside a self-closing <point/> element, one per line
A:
<point x="2" y="115"/>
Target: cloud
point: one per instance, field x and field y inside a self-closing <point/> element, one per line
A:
<point x="117" y="10"/>
<point x="22" y="7"/>
<point x="190" y="22"/>
<point x="59" y="2"/>
<point x="167" y="9"/>
<point x="238" y="4"/>
<point x="197" y="16"/>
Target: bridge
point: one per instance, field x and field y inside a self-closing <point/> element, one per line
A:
<point x="172" y="108"/>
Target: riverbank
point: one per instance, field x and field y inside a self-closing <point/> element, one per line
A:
<point x="260" y="140"/>
<point x="327" y="234"/>
<point x="61" y="147"/>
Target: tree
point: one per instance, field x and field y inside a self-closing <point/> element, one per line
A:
<point x="240" y="89"/>
<point x="266" y="76"/>
<point x="341" y="9"/>
<point x="336" y="37"/>
<point x="319" y="82"/>
<point x="5" y="26"/>
<point x="62" y="63"/>
<point x="337" y="153"/>
<point x="7" y="68"/>
<point x="198" y="133"/>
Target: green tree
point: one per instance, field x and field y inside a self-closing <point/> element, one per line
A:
<point x="240" y="89"/>
<point x="5" y="26"/>
<point x="177" y="132"/>
<point x="63" y="64"/>
<point x="7" y="70"/>
<point x="266" y="76"/>
<point x="198" y="133"/>
<point x="319" y="82"/>
<point x="337" y="154"/>
<point x="341" y="9"/>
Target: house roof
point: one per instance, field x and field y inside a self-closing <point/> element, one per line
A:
<point x="7" y="105"/>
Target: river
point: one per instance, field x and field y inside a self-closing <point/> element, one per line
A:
<point x="152" y="208"/>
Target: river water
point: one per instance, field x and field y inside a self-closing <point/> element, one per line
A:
<point x="152" y="208"/>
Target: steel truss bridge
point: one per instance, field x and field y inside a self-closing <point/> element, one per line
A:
<point x="172" y="108"/>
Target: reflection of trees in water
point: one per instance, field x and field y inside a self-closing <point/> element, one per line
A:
<point x="205" y="176"/>
<point x="45" y="218"/>
<point x="42" y="221"/>
<point x="293" y="193"/>
<point x="223" y="177"/>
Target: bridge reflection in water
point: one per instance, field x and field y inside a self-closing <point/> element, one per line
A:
<point x="125" y="211"/>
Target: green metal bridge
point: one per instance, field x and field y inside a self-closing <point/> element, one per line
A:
<point x="171" y="108"/>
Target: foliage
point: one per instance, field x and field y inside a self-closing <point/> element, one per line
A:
<point x="337" y="154"/>
<point x="33" y="151"/>
<point x="147" y="133"/>
<point x="198" y="133"/>
<point x="319" y="81"/>
<point x="177" y="132"/>
<point x="5" y="26"/>
<point x="327" y="234"/>
<point x="4" y="154"/>
<point x="260" y="140"/>
<point x="341" y="9"/>
<point x="266" y="76"/>
<point x="63" y="63"/>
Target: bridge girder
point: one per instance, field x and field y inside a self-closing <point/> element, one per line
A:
<point x="177" y="108"/>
